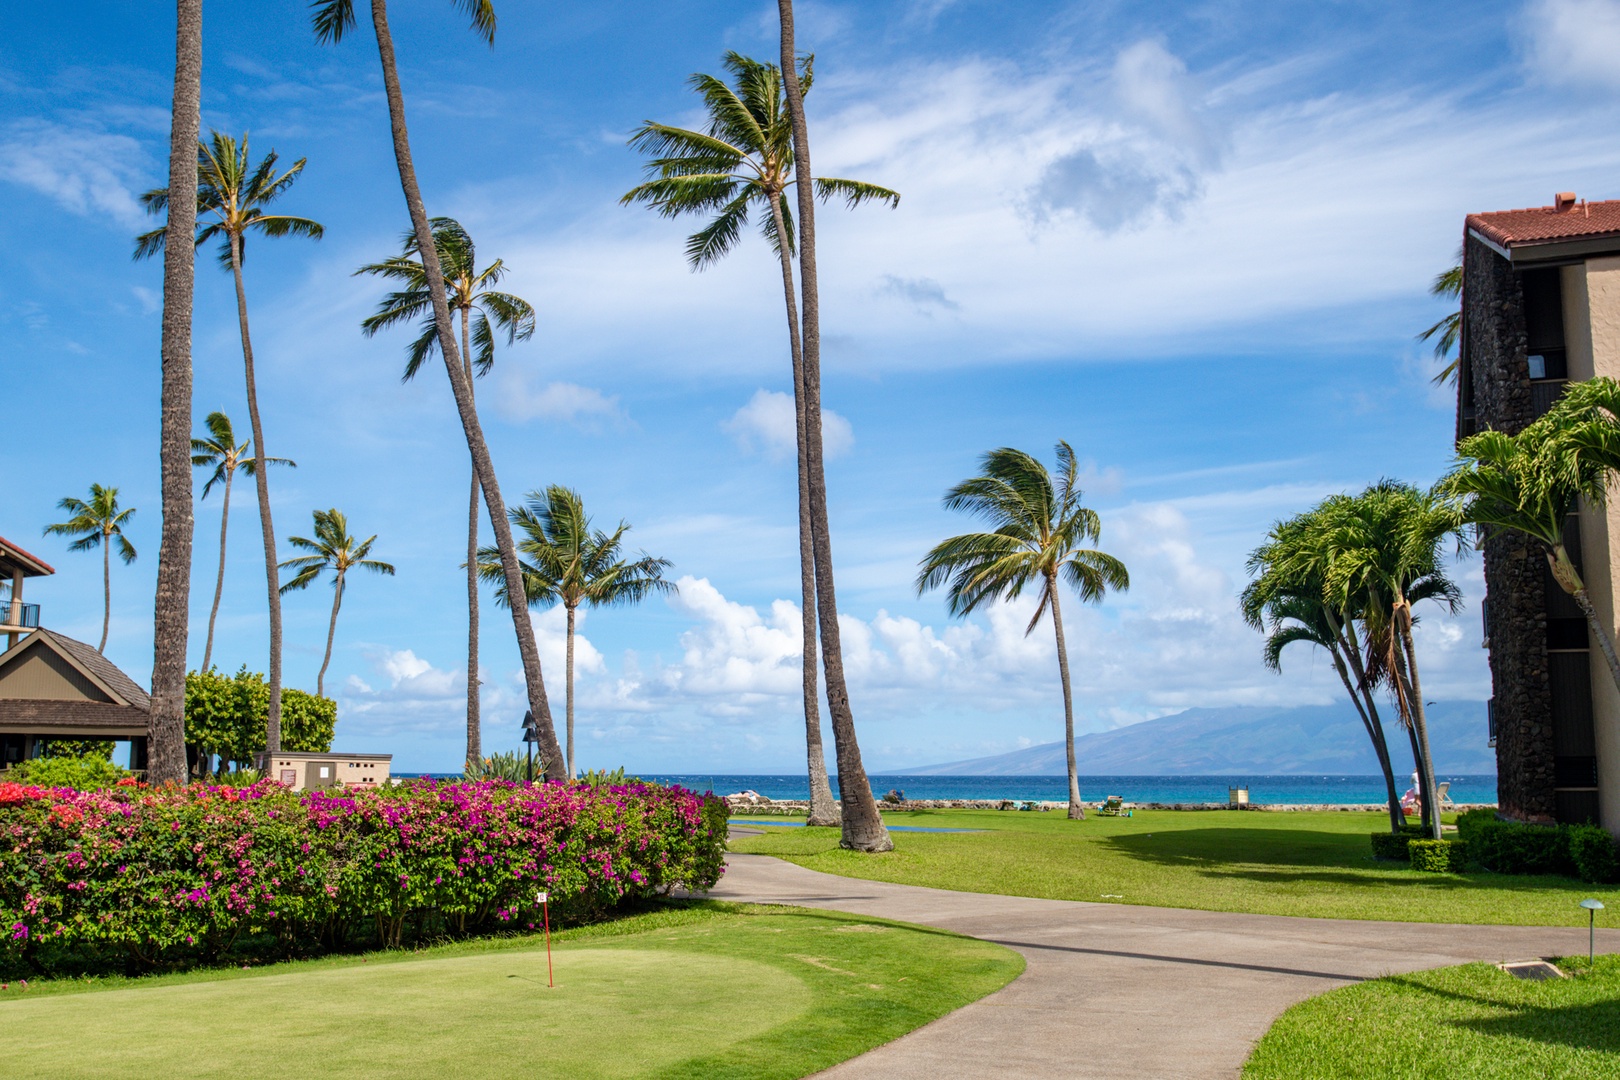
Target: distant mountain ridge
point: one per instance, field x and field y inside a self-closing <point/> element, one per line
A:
<point x="1265" y="741"/>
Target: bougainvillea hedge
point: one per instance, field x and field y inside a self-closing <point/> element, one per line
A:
<point x="133" y="878"/>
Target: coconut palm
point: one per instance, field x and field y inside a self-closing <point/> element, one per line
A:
<point x="1286" y="601"/>
<point x="98" y="523"/>
<point x="171" y="608"/>
<point x="482" y="309"/>
<point x="568" y="562"/>
<point x="1038" y="538"/>
<point x="331" y="20"/>
<point x="221" y="453"/>
<point x="335" y="550"/>
<point x="233" y="194"/>
<point x="742" y="164"/>
<point x="1447" y="285"/>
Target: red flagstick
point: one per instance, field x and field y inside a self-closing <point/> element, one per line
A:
<point x="545" y="911"/>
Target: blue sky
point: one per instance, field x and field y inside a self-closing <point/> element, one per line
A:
<point x="1194" y="240"/>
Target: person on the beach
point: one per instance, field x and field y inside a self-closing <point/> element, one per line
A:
<point x="1412" y="801"/>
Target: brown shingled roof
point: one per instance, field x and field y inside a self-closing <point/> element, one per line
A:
<point x="32" y="565"/>
<point x="88" y="660"/>
<point x="1544" y="224"/>
<point x="95" y="718"/>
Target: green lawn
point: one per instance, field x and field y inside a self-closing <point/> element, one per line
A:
<point x="1473" y="1021"/>
<point x="701" y="990"/>
<point x="1280" y="863"/>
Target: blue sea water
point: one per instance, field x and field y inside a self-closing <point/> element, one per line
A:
<point x="1183" y="789"/>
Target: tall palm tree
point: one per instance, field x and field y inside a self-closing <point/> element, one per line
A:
<point x="1288" y="602"/>
<point x="1447" y="285"/>
<point x="1038" y="538"/>
<point x="743" y="162"/>
<point x="1386" y="545"/>
<point x="99" y="524"/>
<point x="171" y="606"/>
<point x="863" y="828"/>
<point x="569" y="563"/>
<point x="234" y="193"/>
<point x="482" y="309"/>
<point x="335" y="550"/>
<point x="332" y="19"/>
<point x="221" y="453"/>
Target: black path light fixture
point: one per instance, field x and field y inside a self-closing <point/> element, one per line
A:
<point x="1592" y="908"/>
<point x="531" y="735"/>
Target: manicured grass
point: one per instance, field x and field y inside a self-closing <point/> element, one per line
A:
<point x="1279" y="863"/>
<point x="698" y="990"/>
<point x="1472" y="1021"/>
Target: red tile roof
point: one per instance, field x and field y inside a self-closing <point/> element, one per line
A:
<point x="1543" y="224"/>
<point x="32" y="565"/>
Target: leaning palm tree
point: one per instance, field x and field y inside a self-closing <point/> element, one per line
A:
<point x="569" y="563"/>
<point x="1038" y="538"/>
<point x="98" y="523"/>
<point x="482" y="309"/>
<point x="743" y="163"/>
<point x="171" y="608"/>
<point x="221" y="453"/>
<point x="1287" y="601"/>
<point x="1447" y="285"/>
<point x="335" y="550"/>
<point x="233" y="193"/>
<point x="332" y="19"/>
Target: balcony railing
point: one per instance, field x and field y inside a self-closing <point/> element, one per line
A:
<point x="15" y="613"/>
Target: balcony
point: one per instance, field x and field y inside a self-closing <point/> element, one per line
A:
<point x="14" y="614"/>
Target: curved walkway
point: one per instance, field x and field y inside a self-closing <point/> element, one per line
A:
<point x="1114" y="990"/>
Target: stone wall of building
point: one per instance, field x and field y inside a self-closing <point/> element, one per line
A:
<point x="1515" y="571"/>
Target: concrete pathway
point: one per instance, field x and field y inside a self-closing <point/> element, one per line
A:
<point x="1122" y="991"/>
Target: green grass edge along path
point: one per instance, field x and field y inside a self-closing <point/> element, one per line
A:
<point x="1473" y="1021"/>
<point x="1308" y="863"/>
<point x="701" y="989"/>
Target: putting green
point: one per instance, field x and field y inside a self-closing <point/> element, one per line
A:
<point x="459" y="1016"/>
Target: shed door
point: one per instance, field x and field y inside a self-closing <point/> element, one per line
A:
<point x="320" y="774"/>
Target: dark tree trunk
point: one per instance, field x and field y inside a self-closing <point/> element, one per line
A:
<point x="261" y="481"/>
<point x="1420" y="723"/>
<point x="475" y="742"/>
<point x="166" y="760"/>
<point x="863" y="828"/>
<point x="823" y="810"/>
<point x="517" y="600"/>
<point x="1361" y="695"/>
<point x="219" y="581"/>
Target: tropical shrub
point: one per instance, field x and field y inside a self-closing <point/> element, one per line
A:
<point x="1512" y="847"/>
<point x="227" y="714"/>
<point x="175" y="876"/>
<point x="1438" y="856"/>
<point x="1390" y="846"/>
<point x="510" y="765"/>
<point x="77" y="748"/>
<point x="1592" y="850"/>
<point x="1469" y="822"/>
<point x="90" y="773"/>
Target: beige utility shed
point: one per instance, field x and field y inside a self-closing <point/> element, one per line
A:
<point x="307" y="772"/>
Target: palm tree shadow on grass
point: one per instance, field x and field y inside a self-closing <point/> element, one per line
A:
<point x="1589" y="1025"/>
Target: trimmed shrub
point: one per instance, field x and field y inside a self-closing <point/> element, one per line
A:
<point x="226" y="715"/>
<point x="1512" y="847"/>
<point x="1390" y="846"/>
<point x="98" y="880"/>
<point x="1469" y="822"/>
<point x="89" y="773"/>
<point x="1592" y="850"/>
<point x="1439" y="856"/>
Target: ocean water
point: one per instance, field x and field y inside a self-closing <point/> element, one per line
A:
<point x="1188" y="789"/>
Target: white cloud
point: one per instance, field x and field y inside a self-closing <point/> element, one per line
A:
<point x="1573" y="41"/>
<point x="562" y="401"/>
<point x="87" y="171"/>
<point x="767" y="425"/>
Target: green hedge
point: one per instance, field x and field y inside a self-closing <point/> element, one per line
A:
<point x="1389" y="846"/>
<point x="1593" y="852"/>
<point x="1513" y="847"/>
<point x="90" y="773"/>
<point x="1438" y="856"/>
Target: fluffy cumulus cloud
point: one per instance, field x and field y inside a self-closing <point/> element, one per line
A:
<point x="568" y="402"/>
<point x="766" y="425"/>
<point x="88" y="171"/>
<point x="405" y="693"/>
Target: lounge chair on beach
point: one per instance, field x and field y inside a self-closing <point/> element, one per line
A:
<point x="1113" y="806"/>
<point x="1442" y="790"/>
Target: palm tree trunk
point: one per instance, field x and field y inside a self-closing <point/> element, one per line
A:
<point x="219" y="582"/>
<point x="568" y="692"/>
<point x="517" y="600"/>
<point x="1600" y="632"/>
<point x="106" y="589"/>
<point x="823" y="811"/>
<point x="475" y="742"/>
<point x="1361" y="694"/>
<point x="1420" y="720"/>
<point x="863" y="828"/>
<point x="261" y="481"/>
<point x="166" y="734"/>
<point x="331" y="632"/>
<point x="1077" y="811"/>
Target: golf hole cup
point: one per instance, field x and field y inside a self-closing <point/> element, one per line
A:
<point x="543" y="899"/>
